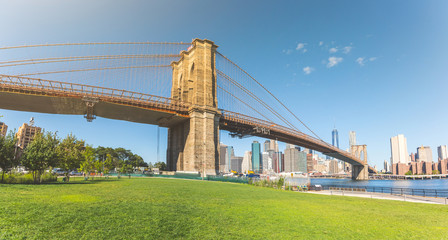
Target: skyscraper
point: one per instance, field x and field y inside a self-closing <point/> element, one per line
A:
<point x="274" y="145"/>
<point x="386" y="166"/>
<point x="26" y="134"/>
<point x="266" y="161"/>
<point x="335" y="138"/>
<point x="424" y="154"/>
<point x="256" y="157"/>
<point x="266" y="146"/>
<point x="229" y="156"/>
<point x="222" y="157"/>
<point x="442" y="152"/>
<point x="236" y="163"/>
<point x="291" y="157"/>
<point x="399" y="149"/>
<point x="3" y="128"/>
<point x="352" y="138"/>
<point x="246" y="165"/>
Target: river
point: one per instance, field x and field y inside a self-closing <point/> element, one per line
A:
<point x="439" y="184"/>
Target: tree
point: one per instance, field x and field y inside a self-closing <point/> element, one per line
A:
<point x="126" y="169"/>
<point x="87" y="165"/>
<point x="7" y="153"/>
<point x="98" y="166"/>
<point x="136" y="161"/>
<point x="108" y="164"/>
<point x="408" y="172"/>
<point x="435" y="172"/>
<point x="160" y="165"/>
<point x="41" y="154"/>
<point x="70" y="152"/>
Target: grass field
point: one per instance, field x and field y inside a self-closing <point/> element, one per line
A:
<point x="171" y="208"/>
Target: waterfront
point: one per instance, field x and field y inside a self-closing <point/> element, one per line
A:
<point x="439" y="184"/>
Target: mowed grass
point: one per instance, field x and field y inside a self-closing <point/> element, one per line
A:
<point x="155" y="208"/>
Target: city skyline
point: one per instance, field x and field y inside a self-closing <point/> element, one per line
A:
<point x="377" y="64"/>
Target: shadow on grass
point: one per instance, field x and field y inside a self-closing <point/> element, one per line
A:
<point x="90" y="181"/>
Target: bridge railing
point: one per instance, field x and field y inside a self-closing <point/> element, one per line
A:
<point x="238" y="117"/>
<point x="266" y="124"/>
<point x="47" y="86"/>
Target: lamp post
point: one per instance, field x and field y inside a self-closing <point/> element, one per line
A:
<point x="203" y="163"/>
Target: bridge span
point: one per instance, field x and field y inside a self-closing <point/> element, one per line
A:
<point x="191" y="113"/>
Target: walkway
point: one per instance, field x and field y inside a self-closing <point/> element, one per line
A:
<point x="405" y="198"/>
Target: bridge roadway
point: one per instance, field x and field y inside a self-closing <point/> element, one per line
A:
<point x="38" y="95"/>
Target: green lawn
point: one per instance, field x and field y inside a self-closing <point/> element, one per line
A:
<point x="155" y="208"/>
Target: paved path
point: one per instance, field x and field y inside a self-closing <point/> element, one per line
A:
<point x="406" y="198"/>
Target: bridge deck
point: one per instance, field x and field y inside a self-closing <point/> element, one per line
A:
<point x="37" y="95"/>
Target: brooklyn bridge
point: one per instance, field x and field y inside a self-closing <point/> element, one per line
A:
<point x="189" y="88"/>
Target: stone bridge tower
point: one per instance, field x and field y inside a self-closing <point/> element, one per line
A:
<point x="194" y="145"/>
<point x="360" y="172"/>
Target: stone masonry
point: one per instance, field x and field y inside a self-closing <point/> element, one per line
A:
<point x="194" y="145"/>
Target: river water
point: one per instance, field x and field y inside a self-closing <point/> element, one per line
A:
<point x="439" y="184"/>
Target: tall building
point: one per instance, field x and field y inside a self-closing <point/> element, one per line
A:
<point x="230" y="153"/>
<point x="295" y="160"/>
<point x="256" y="157"/>
<point x="424" y="154"/>
<point x="267" y="146"/>
<point x="246" y="165"/>
<point x="442" y="152"/>
<point x="278" y="162"/>
<point x="386" y="166"/>
<point x="222" y="157"/>
<point x="289" y="146"/>
<point x="335" y="138"/>
<point x="25" y="135"/>
<point x="309" y="162"/>
<point x="302" y="162"/>
<point x="291" y="157"/>
<point x="333" y="167"/>
<point x="399" y="150"/>
<point x="274" y="145"/>
<point x="352" y="138"/>
<point x="3" y="128"/>
<point x="236" y="164"/>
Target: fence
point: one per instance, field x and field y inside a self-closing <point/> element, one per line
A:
<point x="389" y="190"/>
<point x="189" y="176"/>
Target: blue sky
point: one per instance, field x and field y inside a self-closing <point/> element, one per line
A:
<point x="375" y="67"/>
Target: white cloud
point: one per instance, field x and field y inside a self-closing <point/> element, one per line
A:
<point x="347" y="49"/>
<point x="360" y="61"/>
<point x="333" y="50"/>
<point x="287" y="51"/>
<point x="321" y="43"/>
<point x="333" y="61"/>
<point x="300" y="46"/>
<point x="307" y="70"/>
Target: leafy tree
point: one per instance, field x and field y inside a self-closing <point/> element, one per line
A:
<point x="160" y="165"/>
<point x="70" y="152"/>
<point x="7" y="153"/>
<point x="98" y="166"/>
<point x="88" y="165"/>
<point x="41" y="154"/>
<point x="108" y="164"/>
<point x="435" y="172"/>
<point x="136" y="161"/>
<point x="408" y="172"/>
<point x="126" y="169"/>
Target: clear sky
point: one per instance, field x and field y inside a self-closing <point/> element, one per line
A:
<point x="375" y="67"/>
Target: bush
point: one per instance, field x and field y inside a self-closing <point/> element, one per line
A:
<point x="18" y="178"/>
